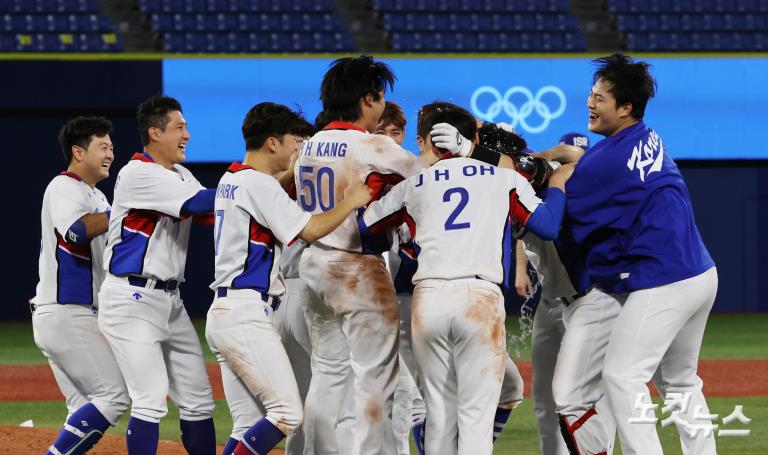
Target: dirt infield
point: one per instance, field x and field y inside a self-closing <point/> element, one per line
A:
<point x="722" y="378"/>
<point x="17" y="440"/>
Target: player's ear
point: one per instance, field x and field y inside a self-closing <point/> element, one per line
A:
<point x="154" y="134"/>
<point x="78" y="153"/>
<point x="625" y="110"/>
<point x="420" y="144"/>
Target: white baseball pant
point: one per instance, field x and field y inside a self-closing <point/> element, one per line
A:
<point x="459" y="344"/>
<point x="408" y="408"/>
<point x="661" y="329"/>
<point x="255" y="369"/>
<point x="81" y="360"/>
<point x="353" y="322"/>
<point x="157" y="350"/>
<point x="291" y="325"/>
<point x="577" y="383"/>
<point x="548" y="330"/>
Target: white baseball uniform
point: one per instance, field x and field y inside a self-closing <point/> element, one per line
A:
<point x="255" y="217"/>
<point x="459" y="338"/>
<point x="350" y="300"/>
<point x="290" y="322"/>
<point x="141" y="312"/>
<point x="64" y="321"/>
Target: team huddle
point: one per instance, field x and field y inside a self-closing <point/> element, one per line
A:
<point x="359" y="287"/>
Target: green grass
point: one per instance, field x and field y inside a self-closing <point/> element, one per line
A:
<point x="728" y="336"/>
<point x="51" y="414"/>
<point x="519" y="437"/>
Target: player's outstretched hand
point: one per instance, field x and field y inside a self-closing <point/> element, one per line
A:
<point x="523" y="285"/>
<point x="359" y="194"/>
<point x="561" y="176"/>
<point x="446" y="136"/>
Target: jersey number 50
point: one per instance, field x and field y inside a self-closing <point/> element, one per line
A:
<point x="314" y="187"/>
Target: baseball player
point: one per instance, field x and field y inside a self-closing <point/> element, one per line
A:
<point x="255" y="217"/>
<point x="408" y="407"/>
<point x="642" y="245"/>
<point x="345" y="329"/>
<point x="74" y="219"/>
<point x="141" y="311"/>
<point x="459" y="339"/>
<point x="548" y="327"/>
<point x="289" y="319"/>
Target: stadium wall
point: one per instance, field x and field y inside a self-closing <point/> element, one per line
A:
<point x="730" y="196"/>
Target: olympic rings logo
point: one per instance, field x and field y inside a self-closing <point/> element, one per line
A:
<point x="519" y="115"/>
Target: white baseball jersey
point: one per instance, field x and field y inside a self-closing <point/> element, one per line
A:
<point x="554" y="279"/>
<point x="339" y="156"/>
<point x="148" y="234"/>
<point x="69" y="273"/>
<point x="255" y="217"/>
<point x="459" y="210"/>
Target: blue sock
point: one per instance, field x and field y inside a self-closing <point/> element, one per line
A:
<point x="86" y="419"/>
<point x="198" y="436"/>
<point x="502" y="415"/>
<point x="230" y="447"/>
<point x="142" y="437"/>
<point x="418" y="436"/>
<point x="260" y="438"/>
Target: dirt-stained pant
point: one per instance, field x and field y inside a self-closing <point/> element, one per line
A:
<point x="255" y="370"/>
<point x="353" y="321"/>
<point x="459" y="344"/>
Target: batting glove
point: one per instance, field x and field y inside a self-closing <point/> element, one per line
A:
<point x="447" y="137"/>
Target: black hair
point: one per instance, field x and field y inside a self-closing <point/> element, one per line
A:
<point x="153" y="113"/>
<point x="304" y="128"/>
<point x="79" y="131"/>
<point x="350" y="79"/>
<point x="630" y="81"/>
<point x="443" y="112"/>
<point x="501" y="141"/>
<point x="266" y="120"/>
<point x="321" y="120"/>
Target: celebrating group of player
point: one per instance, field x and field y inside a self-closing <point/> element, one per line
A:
<point x="317" y="339"/>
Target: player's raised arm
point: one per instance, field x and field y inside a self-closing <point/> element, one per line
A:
<point x="542" y="216"/>
<point x="324" y="223"/>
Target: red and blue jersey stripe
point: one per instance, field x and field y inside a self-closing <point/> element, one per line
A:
<point x="128" y="255"/>
<point x="74" y="274"/>
<point x="257" y="269"/>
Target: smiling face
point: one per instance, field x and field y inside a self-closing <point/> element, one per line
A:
<point x="605" y="117"/>
<point x="92" y="163"/>
<point x="395" y="132"/>
<point x="169" y="145"/>
<point x="284" y="148"/>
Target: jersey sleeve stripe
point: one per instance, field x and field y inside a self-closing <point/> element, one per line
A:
<point x="74" y="283"/>
<point x="128" y="254"/>
<point x="257" y="268"/>
<point x="380" y="183"/>
<point x="517" y="210"/>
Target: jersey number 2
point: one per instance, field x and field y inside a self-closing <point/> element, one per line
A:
<point x="450" y="223"/>
<point x="313" y="196"/>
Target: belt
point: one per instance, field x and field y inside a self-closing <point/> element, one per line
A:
<point x="140" y="281"/>
<point x="569" y="300"/>
<point x="32" y="307"/>
<point x="273" y="301"/>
